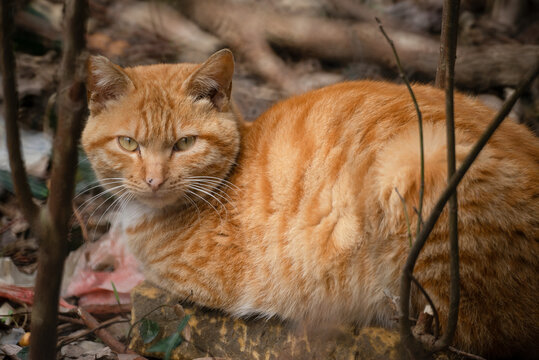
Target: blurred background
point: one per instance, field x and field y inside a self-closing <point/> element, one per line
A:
<point x="284" y="47"/>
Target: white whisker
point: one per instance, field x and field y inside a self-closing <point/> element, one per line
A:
<point x="205" y="191"/>
<point x="212" y="188"/>
<point x="101" y="184"/>
<point x="82" y="161"/>
<point x="95" y="197"/>
<point x="104" y="202"/>
<point x="231" y="162"/>
<point x="192" y="202"/>
<point x="215" y="180"/>
<point x="117" y="200"/>
<point x="122" y="207"/>
<point x="208" y="192"/>
<point x="206" y="201"/>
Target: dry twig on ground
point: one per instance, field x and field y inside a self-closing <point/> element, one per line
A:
<point x="103" y="334"/>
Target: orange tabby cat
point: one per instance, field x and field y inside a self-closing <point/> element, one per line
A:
<point x="297" y="215"/>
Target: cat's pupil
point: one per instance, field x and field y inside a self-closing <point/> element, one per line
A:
<point x="184" y="143"/>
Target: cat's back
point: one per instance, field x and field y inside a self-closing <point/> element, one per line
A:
<point x="319" y="147"/>
<point x="363" y="117"/>
<point x="326" y="137"/>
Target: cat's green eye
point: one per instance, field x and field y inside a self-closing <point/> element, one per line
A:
<point x="127" y="143"/>
<point x="185" y="143"/>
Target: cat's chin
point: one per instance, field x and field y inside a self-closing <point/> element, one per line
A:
<point x="157" y="201"/>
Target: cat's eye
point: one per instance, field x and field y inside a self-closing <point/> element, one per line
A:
<point x="185" y="143"/>
<point x="127" y="143"/>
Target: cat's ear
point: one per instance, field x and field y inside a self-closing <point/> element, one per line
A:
<point x="106" y="82"/>
<point x="213" y="80"/>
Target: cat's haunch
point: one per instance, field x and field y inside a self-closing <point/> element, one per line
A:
<point x="297" y="215"/>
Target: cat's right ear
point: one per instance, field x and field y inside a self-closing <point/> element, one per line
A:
<point x="106" y="82"/>
<point x="213" y="80"/>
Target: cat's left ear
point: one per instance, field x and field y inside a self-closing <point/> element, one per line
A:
<point x="213" y="80"/>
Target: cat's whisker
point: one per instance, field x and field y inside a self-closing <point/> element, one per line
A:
<point x="209" y="193"/>
<point x="98" y="183"/>
<point x="207" y="202"/>
<point x="116" y="201"/>
<point x="101" y="184"/>
<point x="206" y="191"/>
<point x="217" y="191"/>
<point x="121" y="191"/>
<point x="231" y="162"/>
<point x="215" y="180"/>
<point x="192" y="202"/>
<point x="86" y="204"/>
<point x="82" y="161"/>
<point x="212" y="188"/>
<point x="112" y="195"/>
<point x="95" y="197"/>
<point x="120" y="209"/>
<point x="216" y="199"/>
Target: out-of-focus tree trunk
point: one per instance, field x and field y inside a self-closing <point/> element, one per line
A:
<point x="55" y="217"/>
<point x="50" y="224"/>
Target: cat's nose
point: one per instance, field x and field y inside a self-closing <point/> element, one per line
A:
<point x="154" y="182"/>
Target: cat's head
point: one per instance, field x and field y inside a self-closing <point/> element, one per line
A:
<point x="154" y="129"/>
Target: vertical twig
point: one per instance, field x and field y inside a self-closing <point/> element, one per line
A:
<point x="55" y="218"/>
<point x="448" y="52"/>
<point x="11" y="110"/>
<point x="448" y="39"/>
<point x="419" y="122"/>
<point x="406" y="333"/>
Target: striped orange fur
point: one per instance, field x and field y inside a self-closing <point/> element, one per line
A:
<point x="297" y="215"/>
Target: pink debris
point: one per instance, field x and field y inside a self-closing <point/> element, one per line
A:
<point x="98" y="266"/>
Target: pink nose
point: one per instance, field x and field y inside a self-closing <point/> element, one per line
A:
<point x="154" y="183"/>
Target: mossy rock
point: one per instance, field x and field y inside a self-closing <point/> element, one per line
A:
<point x="211" y="333"/>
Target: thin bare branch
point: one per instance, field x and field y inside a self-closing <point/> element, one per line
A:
<point x="448" y="43"/>
<point x="11" y="110"/>
<point x="421" y="238"/>
<point x="446" y="71"/>
<point x="103" y="334"/>
<point x="70" y="320"/>
<point x="420" y="124"/>
<point x="74" y="337"/>
<point x="71" y="111"/>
